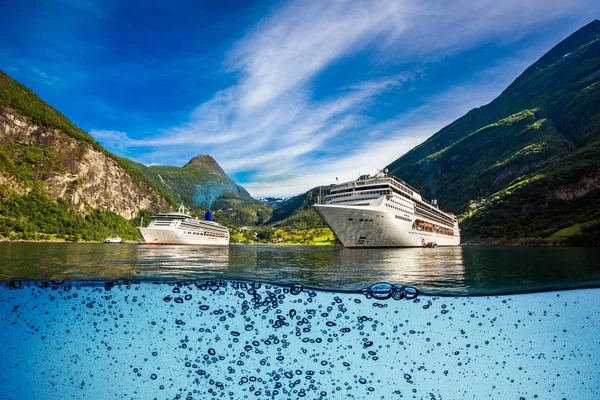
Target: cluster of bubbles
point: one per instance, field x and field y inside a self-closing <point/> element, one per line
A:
<point x="384" y="291"/>
<point x="242" y="340"/>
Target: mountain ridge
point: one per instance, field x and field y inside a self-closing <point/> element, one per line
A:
<point x="182" y="182"/>
<point x="55" y="179"/>
<point x="201" y="184"/>
<point x="539" y="137"/>
<point x="42" y="150"/>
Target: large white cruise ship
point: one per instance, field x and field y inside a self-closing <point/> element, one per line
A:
<point x="181" y="228"/>
<point x="384" y="211"/>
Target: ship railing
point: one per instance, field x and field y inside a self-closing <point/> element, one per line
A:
<point x="405" y="184"/>
<point x="342" y="186"/>
<point x="354" y="184"/>
<point x="392" y="180"/>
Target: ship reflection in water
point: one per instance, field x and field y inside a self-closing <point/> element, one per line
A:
<point x="182" y="261"/>
<point x="441" y="267"/>
<point x="325" y="268"/>
<point x="442" y="270"/>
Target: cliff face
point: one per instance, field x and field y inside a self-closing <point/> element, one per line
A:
<point x="61" y="166"/>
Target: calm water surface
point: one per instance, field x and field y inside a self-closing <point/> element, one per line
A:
<point x="452" y="270"/>
<point x="198" y="333"/>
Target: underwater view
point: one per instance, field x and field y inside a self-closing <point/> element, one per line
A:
<point x="167" y="338"/>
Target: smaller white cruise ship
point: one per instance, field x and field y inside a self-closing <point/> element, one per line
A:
<point x="384" y="211"/>
<point x="181" y="228"/>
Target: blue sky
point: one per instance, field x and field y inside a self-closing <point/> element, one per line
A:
<point x="284" y="95"/>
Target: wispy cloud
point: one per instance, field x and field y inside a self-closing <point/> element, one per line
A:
<point x="271" y="125"/>
<point x="397" y="136"/>
<point x="292" y="46"/>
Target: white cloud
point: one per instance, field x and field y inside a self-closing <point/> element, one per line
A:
<point x="270" y="125"/>
<point x="292" y="46"/>
<point x="399" y="135"/>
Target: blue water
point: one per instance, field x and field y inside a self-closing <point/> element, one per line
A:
<point x="231" y="340"/>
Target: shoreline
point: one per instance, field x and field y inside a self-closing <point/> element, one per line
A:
<point x="317" y="244"/>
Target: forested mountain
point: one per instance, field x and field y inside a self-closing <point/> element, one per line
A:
<point x="525" y="167"/>
<point x="296" y="212"/>
<point x="198" y="183"/>
<point x="56" y="179"/>
<point x="202" y="184"/>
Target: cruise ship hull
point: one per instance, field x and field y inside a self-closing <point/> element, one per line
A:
<point x="376" y="227"/>
<point x="178" y="237"/>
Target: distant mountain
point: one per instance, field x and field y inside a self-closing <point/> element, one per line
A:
<point x="198" y="183"/>
<point x="525" y="167"/>
<point x="273" y="202"/>
<point x="296" y="212"/>
<point x="202" y="184"/>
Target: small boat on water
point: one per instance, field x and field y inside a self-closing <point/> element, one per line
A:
<point x="112" y="240"/>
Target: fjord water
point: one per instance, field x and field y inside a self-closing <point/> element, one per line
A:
<point x="447" y="270"/>
<point x="182" y="325"/>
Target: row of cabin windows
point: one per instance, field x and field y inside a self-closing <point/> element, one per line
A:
<point x="188" y="226"/>
<point x="397" y="208"/>
<point x="391" y="206"/>
<point x="402" y="194"/>
<point x="436" y="215"/>
<point x="425" y="226"/>
<point x="395" y="187"/>
<point x="433" y="211"/>
<point x="213" y="234"/>
<point x="355" y="190"/>
<point x="401" y="187"/>
<point x="409" y="204"/>
<point x="377" y="192"/>
<point x="406" y="200"/>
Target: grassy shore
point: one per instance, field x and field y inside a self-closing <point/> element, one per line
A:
<point x="270" y="236"/>
<point x="284" y="237"/>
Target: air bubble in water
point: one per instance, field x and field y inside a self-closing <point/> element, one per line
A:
<point x="296" y="289"/>
<point x="411" y="293"/>
<point x="381" y="291"/>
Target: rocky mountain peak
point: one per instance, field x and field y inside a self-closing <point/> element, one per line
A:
<point x="204" y="161"/>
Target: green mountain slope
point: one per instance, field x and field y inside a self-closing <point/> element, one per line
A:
<point x="18" y="98"/>
<point x="526" y="166"/>
<point x="296" y="212"/>
<point x="56" y="180"/>
<point x="198" y="183"/>
<point x="202" y="184"/>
